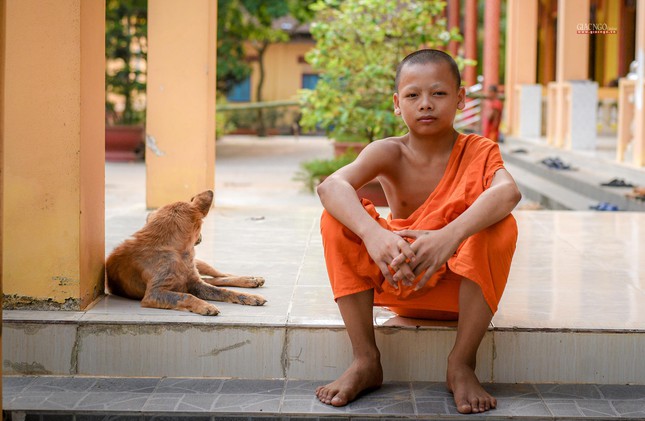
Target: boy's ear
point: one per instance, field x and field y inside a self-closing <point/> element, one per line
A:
<point x="395" y="99"/>
<point x="462" y="98"/>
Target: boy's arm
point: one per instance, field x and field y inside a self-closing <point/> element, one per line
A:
<point x="434" y="248"/>
<point x="338" y="195"/>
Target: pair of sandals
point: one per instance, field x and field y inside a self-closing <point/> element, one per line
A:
<point x="556" y="164"/>
<point x="617" y="182"/>
<point x="604" y="206"/>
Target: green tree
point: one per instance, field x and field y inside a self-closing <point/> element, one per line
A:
<point x="126" y="28"/>
<point x="253" y="21"/>
<point x="232" y="31"/>
<point x="358" y="46"/>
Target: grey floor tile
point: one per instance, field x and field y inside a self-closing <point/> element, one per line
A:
<point x="587" y="408"/>
<point x="196" y="403"/>
<point x="568" y="391"/>
<point x="386" y="406"/>
<point x="248" y="387"/>
<point x="111" y="417"/>
<point x="511" y="408"/>
<point x="122" y="384"/>
<point x="634" y="409"/>
<point x="62" y="384"/>
<point x="304" y="388"/>
<point x="308" y="406"/>
<point x="113" y="401"/>
<point x="510" y="390"/>
<point x="63" y="400"/>
<point x="163" y="402"/>
<point x="177" y="418"/>
<point x="175" y="385"/>
<point x="622" y="392"/>
<point x="391" y="390"/>
<point x="432" y="406"/>
<point x="430" y="390"/>
<point x="247" y="403"/>
<point x="11" y="384"/>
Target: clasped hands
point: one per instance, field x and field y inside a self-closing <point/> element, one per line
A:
<point x="429" y="250"/>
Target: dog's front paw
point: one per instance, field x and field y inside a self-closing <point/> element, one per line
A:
<point x="256" y="281"/>
<point x="207" y="310"/>
<point x="251" y="300"/>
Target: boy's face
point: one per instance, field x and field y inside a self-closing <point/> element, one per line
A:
<point x="428" y="98"/>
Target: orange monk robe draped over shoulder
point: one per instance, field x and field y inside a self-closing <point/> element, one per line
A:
<point x="484" y="258"/>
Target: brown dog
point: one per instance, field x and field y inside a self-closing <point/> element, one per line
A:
<point x="157" y="264"/>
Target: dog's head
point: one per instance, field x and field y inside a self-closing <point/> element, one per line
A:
<point x="179" y="224"/>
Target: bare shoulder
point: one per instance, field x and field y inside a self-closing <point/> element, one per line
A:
<point x="390" y="147"/>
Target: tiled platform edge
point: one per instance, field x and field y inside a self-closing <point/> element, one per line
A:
<point x="98" y="398"/>
<point x="304" y="352"/>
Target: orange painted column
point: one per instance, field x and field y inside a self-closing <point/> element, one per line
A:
<point x="53" y="182"/>
<point x="180" y="116"/>
<point x="639" y="94"/>
<point x="2" y="42"/>
<point x="491" y="53"/>
<point x="470" y="41"/>
<point x="572" y="63"/>
<point x="521" y="55"/>
<point x="453" y="22"/>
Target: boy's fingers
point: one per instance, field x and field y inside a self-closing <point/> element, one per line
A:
<point x="406" y="233"/>
<point x="405" y="275"/>
<point x="385" y="270"/>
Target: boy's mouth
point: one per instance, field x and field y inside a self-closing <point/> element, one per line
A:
<point x="426" y="119"/>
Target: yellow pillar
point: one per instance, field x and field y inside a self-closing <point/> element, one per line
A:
<point x="521" y="54"/>
<point x="2" y="42"/>
<point x="54" y="172"/>
<point x="180" y="116"/>
<point x="572" y="61"/>
<point x="639" y="93"/>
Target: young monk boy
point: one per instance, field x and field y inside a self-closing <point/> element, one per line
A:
<point x="443" y="253"/>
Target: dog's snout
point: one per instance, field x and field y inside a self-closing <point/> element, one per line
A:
<point x="199" y="239"/>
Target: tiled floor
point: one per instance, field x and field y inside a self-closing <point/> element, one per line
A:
<point x="149" y="397"/>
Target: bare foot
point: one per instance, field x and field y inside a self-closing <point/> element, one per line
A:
<point x="469" y="395"/>
<point x="361" y="376"/>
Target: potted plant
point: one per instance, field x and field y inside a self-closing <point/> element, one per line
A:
<point x="126" y="53"/>
<point x="359" y="43"/>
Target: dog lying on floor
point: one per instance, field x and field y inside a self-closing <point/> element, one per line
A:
<point x="157" y="264"/>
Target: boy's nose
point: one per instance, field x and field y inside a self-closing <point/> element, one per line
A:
<point x="426" y="103"/>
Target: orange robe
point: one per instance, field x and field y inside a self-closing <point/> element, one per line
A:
<point x="484" y="257"/>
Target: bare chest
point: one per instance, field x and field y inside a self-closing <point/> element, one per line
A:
<point x="408" y="190"/>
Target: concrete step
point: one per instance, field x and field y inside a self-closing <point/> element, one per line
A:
<point x="146" y="342"/>
<point x="155" y="398"/>
<point x="575" y="189"/>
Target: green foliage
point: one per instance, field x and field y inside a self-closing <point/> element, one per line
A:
<point x="232" y="31"/>
<point x="252" y="21"/>
<point x="223" y="123"/>
<point x="312" y="172"/>
<point x="358" y="46"/>
<point x="126" y="47"/>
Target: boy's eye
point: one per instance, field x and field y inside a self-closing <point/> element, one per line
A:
<point x="439" y="93"/>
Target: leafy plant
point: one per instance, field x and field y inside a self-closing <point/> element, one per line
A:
<point x="126" y="50"/>
<point x="358" y="46"/>
<point x="312" y="172"/>
<point x="253" y="22"/>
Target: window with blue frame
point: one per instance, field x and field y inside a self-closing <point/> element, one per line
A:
<point x="241" y="92"/>
<point x="309" y="81"/>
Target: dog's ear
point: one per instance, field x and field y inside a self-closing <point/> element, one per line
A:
<point x="203" y="201"/>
